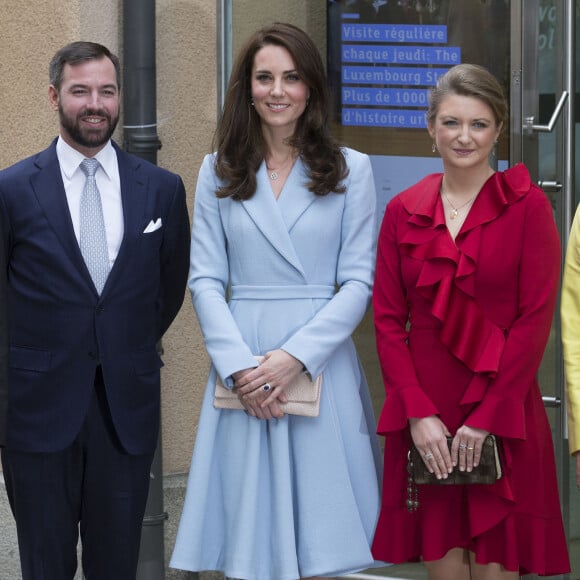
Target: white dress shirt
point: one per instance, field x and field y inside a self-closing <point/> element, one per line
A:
<point x="109" y="184"/>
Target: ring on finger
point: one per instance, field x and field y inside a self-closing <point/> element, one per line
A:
<point x="266" y="387"/>
<point x="428" y="456"/>
<point x="463" y="446"/>
<point x="470" y="449"/>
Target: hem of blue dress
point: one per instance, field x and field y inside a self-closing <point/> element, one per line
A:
<point x="232" y="574"/>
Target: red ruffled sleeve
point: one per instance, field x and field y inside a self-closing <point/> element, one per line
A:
<point x="404" y="396"/>
<point x="500" y="409"/>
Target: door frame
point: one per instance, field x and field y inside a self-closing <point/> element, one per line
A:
<point x="524" y="147"/>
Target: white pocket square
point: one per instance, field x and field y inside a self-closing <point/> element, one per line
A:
<point x="152" y="226"/>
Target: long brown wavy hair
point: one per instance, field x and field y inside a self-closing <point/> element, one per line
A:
<point x="239" y="141"/>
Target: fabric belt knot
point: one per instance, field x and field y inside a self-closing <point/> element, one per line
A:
<point x="93" y="238"/>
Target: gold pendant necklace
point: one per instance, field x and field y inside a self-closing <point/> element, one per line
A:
<point x="454" y="211"/>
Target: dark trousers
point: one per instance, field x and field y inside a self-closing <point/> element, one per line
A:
<point x="92" y="486"/>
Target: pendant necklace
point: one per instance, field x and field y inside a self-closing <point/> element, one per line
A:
<point x="454" y="212"/>
<point x="274" y="174"/>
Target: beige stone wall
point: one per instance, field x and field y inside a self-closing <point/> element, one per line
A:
<point x="30" y="31"/>
<point x="310" y="15"/>
<point x="186" y="114"/>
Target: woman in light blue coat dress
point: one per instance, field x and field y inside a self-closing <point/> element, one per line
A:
<point x="282" y="261"/>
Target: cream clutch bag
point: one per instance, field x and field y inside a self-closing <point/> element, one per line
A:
<point x="303" y="396"/>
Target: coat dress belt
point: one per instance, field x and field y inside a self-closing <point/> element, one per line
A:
<point x="281" y="292"/>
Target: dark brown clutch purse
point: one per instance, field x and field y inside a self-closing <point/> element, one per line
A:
<point x="487" y="472"/>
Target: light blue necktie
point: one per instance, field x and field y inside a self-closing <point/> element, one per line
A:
<point x="93" y="238"/>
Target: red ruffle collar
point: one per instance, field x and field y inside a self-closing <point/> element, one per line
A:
<point x="447" y="277"/>
<point x="422" y="200"/>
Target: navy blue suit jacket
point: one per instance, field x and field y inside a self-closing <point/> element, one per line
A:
<point x="3" y="348"/>
<point x="60" y="329"/>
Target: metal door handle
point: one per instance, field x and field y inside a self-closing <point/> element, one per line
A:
<point x="550" y="186"/>
<point x="529" y="126"/>
<point x="552" y="401"/>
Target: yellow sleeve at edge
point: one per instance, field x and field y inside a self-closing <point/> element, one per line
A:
<point x="570" y="315"/>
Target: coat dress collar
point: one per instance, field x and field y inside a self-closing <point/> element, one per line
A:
<point x="266" y="211"/>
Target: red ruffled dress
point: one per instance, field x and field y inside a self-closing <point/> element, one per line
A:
<point x="461" y="329"/>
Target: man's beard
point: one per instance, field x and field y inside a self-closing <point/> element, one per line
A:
<point x="87" y="137"/>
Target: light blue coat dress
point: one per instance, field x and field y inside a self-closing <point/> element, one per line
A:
<point x="291" y="497"/>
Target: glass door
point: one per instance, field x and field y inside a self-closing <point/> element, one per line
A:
<point x="542" y="126"/>
<point x="382" y="58"/>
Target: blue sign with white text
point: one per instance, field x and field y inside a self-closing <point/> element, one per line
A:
<point x="384" y="118"/>
<point x="382" y="97"/>
<point x="394" y="33"/>
<point x="382" y="53"/>
<point x="390" y="75"/>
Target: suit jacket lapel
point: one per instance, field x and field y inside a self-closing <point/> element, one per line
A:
<point x="133" y="198"/>
<point x="48" y="188"/>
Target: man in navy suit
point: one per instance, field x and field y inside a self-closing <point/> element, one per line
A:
<point x="84" y="397"/>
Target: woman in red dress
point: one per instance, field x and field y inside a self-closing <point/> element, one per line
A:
<point x="466" y="283"/>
